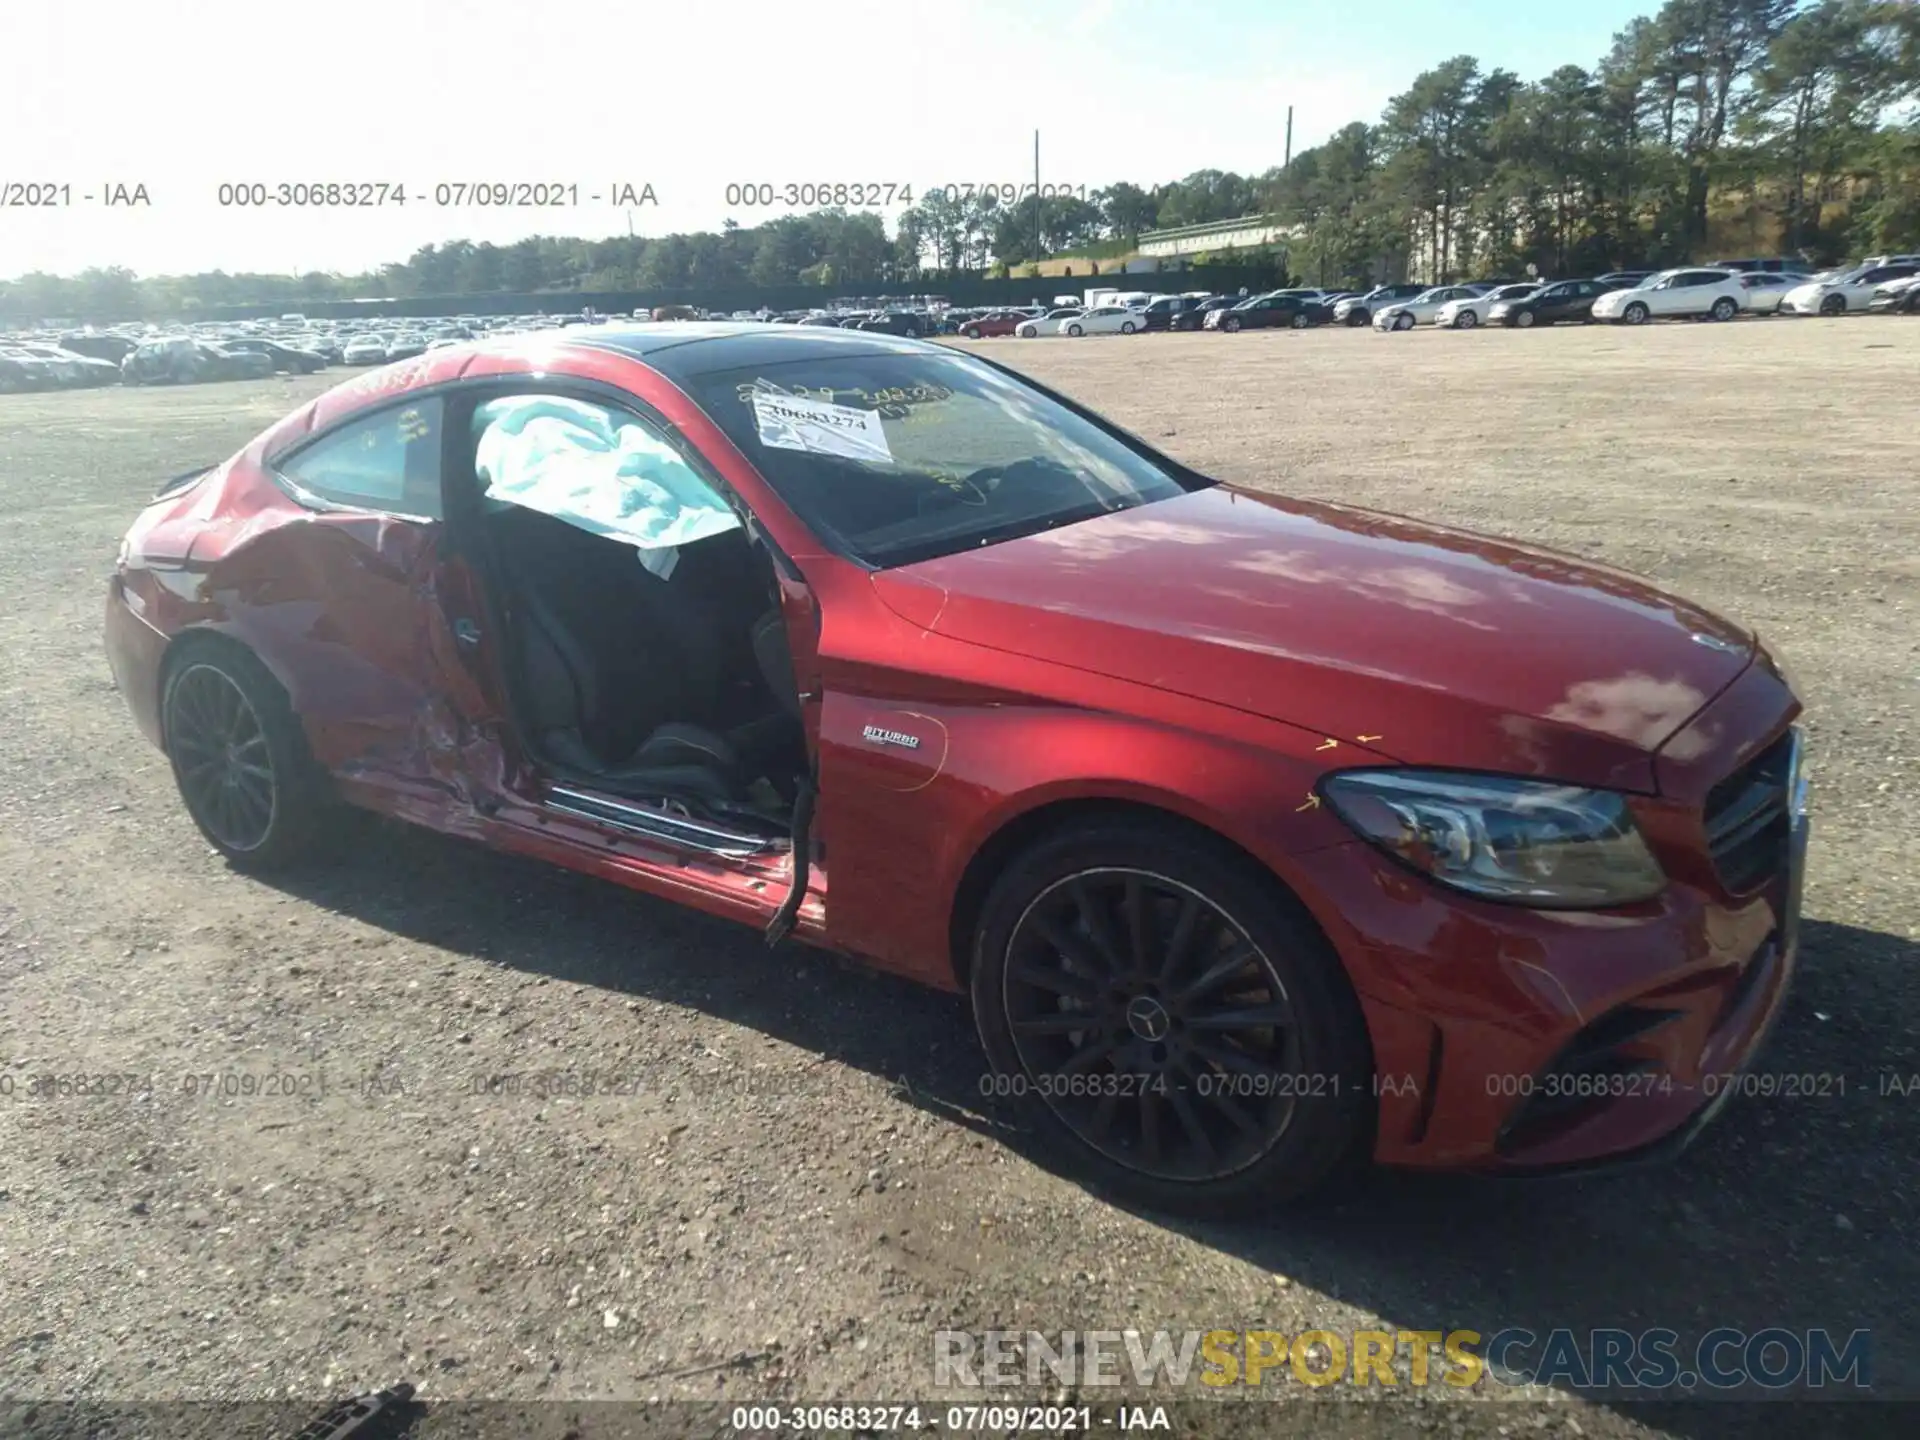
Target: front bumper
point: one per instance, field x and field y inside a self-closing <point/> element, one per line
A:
<point x="1528" y="1042"/>
<point x="1525" y="1042"/>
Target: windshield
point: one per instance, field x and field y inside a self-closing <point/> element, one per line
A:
<point x="898" y="458"/>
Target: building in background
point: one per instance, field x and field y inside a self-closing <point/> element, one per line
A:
<point x="1245" y="233"/>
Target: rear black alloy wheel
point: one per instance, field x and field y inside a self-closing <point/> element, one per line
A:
<point x="221" y="758"/>
<point x="240" y="758"/>
<point x="1191" y="1040"/>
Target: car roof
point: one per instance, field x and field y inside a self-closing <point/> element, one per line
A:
<point x="684" y="349"/>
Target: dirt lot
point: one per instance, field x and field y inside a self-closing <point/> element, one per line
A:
<point x="807" y="1183"/>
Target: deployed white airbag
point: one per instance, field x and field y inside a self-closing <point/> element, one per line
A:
<point x="585" y="465"/>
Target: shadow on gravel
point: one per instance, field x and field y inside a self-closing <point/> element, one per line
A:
<point x="1793" y="1211"/>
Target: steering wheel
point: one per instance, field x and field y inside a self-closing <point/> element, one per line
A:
<point x="947" y="492"/>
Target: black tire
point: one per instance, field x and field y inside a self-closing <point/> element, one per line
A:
<point x="1524" y="319"/>
<point x="972" y="332"/>
<point x="1833" y="305"/>
<point x="218" y="704"/>
<point x="1636" y="314"/>
<point x="1127" y="327"/>
<point x="1300" y="320"/>
<point x="1359" y="317"/>
<point x="1195" y="901"/>
<point x="1724" y="309"/>
<point x="1466" y="320"/>
<point x="1231" y="323"/>
<point x="1075" y="330"/>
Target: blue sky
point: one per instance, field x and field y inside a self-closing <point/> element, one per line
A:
<point x="685" y="97"/>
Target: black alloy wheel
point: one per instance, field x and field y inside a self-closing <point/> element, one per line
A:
<point x="240" y="757"/>
<point x="221" y="757"/>
<point x="1172" y="1017"/>
<point x="1180" y="1026"/>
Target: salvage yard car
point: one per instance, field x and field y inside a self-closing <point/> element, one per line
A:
<point x="1266" y="836"/>
<point x="1264" y="312"/>
<point x="1050" y="323"/>
<point x="1838" y="292"/>
<point x="1424" y="307"/>
<point x="1693" y="294"/>
<point x="1468" y="311"/>
<point x="182" y="360"/>
<point x="1562" y="302"/>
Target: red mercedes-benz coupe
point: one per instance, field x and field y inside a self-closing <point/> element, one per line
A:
<point x="1267" y="837"/>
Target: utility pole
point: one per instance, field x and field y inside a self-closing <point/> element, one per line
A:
<point x="1288" y="159"/>
<point x="1036" y="197"/>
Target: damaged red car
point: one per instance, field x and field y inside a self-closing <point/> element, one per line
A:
<point x="1268" y="838"/>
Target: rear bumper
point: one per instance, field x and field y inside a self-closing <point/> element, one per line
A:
<point x="135" y="650"/>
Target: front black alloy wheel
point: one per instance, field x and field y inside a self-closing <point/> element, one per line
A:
<point x="1133" y="980"/>
<point x="240" y="757"/>
<point x="1161" y="1008"/>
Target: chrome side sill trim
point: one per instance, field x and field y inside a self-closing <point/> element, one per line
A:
<point x="640" y="819"/>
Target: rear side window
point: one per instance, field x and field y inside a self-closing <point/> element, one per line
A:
<point x="389" y="460"/>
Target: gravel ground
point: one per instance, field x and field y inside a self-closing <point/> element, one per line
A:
<point x="805" y="1183"/>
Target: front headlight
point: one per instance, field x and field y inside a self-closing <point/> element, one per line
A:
<point x="1523" y="842"/>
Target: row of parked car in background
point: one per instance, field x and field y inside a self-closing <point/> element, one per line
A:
<point x="63" y="358"/>
<point x="1889" y="283"/>
<point x="144" y="354"/>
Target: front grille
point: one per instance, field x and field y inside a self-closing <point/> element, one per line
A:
<point x="1749" y="818"/>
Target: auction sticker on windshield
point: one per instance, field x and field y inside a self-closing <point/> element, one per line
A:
<point x="788" y="422"/>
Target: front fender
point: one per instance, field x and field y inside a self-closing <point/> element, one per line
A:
<point x="903" y="821"/>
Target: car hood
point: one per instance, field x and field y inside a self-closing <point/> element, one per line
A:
<point x="1416" y="642"/>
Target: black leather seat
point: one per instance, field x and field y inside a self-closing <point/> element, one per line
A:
<point x="630" y="679"/>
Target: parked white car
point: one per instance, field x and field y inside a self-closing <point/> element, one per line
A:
<point x="1714" y="293"/>
<point x="1838" y="292"/>
<point x="1103" y="320"/>
<point x="1047" y="324"/>
<point x="1765" y="290"/>
<point x="365" y="350"/>
<point x="1405" y="314"/>
<point x="1895" y="295"/>
<point x="1471" y="310"/>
